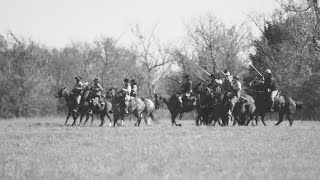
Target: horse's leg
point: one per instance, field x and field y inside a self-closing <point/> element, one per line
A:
<point x="251" y="119"/>
<point x="138" y="116"/>
<point x="92" y="118"/>
<point x="147" y="118"/>
<point x="256" y="119"/>
<point x="115" y="119"/>
<point x="75" y="116"/>
<point x="262" y="119"/>
<point x="87" y="118"/>
<point x="219" y="119"/>
<point x="235" y="119"/>
<point x="102" y="115"/>
<point x="110" y="121"/>
<point x="229" y="119"/>
<point x="213" y="119"/>
<point x="69" y="113"/>
<point x="246" y="121"/>
<point x="281" y="114"/>
<point x="173" y="119"/>
<point x="122" y="120"/>
<point x="290" y="118"/>
<point x="198" y="119"/>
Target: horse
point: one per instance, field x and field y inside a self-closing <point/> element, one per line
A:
<point x="102" y="110"/>
<point x="283" y="104"/>
<point x="86" y="105"/>
<point x="205" y="99"/>
<point x="244" y="110"/>
<point x="139" y="107"/>
<point x="173" y="105"/>
<point x="70" y="102"/>
<point x="221" y="105"/>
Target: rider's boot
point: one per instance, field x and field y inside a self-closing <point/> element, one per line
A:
<point x="126" y="111"/>
<point x="75" y="109"/>
<point x="272" y="107"/>
<point x="181" y="106"/>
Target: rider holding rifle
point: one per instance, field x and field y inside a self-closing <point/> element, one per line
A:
<point x="77" y="90"/>
<point x="270" y="85"/>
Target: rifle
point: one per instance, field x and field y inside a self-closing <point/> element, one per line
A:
<point x="174" y="80"/>
<point x="225" y="77"/>
<point x="204" y="71"/>
<point x="257" y="71"/>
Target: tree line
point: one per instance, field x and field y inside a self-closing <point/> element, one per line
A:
<point x="31" y="73"/>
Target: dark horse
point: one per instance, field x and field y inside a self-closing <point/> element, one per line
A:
<point x="86" y="105"/>
<point x="220" y="105"/>
<point x="205" y="104"/>
<point x="173" y="105"/>
<point x="285" y="105"/>
<point x="70" y="102"/>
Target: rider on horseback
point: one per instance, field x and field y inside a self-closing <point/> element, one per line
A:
<point x="134" y="88"/>
<point x="77" y="91"/>
<point x="236" y="88"/>
<point x="271" y="86"/>
<point x="227" y="81"/>
<point x="126" y="90"/>
<point x="186" y="90"/>
<point x="96" y="91"/>
<point x="216" y="80"/>
<point x="257" y="85"/>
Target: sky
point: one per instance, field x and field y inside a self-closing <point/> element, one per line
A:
<point x="56" y="23"/>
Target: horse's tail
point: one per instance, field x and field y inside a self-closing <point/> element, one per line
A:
<point x="152" y="116"/>
<point x="150" y="108"/>
<point x="299" y="104"/>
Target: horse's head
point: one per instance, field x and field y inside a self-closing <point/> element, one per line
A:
<point x="242" y="101"/>
<point x="61" y="93"/>
<point x="208" y="91"/>
<point x="109" y="94"/>
<point x="198" y="88"/>
<point x="158" y="101"/>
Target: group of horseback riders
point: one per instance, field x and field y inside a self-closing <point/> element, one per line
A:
<point x="232" y="87"/>
<point x="129" y="89"/>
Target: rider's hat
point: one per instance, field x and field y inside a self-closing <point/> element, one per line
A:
<point x="186" y="77"/>
<point x="226" y="72"/>
<point x="235" y="77"/>
<point x="133" y="81"/>
<point x="126" y="80"/>
<point x="268" y="71"/>
<point x="96" y="80"/>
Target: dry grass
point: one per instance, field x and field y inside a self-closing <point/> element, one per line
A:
<point x="45" y="149"/>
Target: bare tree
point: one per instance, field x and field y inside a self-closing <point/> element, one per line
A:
<point x="218" y="47"/>
<point x="302" y="6"/>
<point x="152" y="56"/>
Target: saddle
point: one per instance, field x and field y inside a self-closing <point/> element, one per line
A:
<point x="189" y="100"/>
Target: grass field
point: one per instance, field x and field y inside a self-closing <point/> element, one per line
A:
<point x="46" y="149"/>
